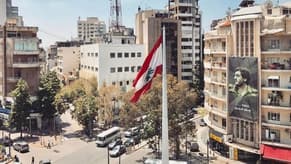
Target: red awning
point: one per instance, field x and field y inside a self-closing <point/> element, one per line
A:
<point x="276" y="153"/>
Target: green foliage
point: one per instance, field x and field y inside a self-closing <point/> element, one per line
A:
<point x="22" y="105"/>
<point x="86" y="110"/>
<point x="83" y="95"/>
<point x="48" y="88"/>
<point x="180" y="99"/>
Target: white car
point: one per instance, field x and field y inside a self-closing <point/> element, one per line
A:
<point x="117" y="151"/>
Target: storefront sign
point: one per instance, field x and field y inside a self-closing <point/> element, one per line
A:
<point x="214" y="137"/>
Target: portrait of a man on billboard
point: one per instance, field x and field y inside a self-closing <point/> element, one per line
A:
<point x="242" y="90"/>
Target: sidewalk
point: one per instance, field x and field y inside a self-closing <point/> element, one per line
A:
<point x="202" y="139"/>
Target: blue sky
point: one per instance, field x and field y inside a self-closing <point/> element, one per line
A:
<point x="57" y="19"/>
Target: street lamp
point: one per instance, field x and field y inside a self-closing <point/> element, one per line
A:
<point x="29" y="118"/>
<point x="207" y="143"/>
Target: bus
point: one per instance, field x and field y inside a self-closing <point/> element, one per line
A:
<point x="107" y="136"/>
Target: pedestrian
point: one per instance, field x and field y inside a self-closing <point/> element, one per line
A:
<point x="32" y="160"/>
<point x="49" y="145"/>
<point x="16" y="159"/>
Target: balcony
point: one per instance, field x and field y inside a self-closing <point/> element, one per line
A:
<point x="26" y="64"/>
<point x="13" y="79"/>
<point x="22" y="52"/>
<point x="276" y="66"/>
<point x="277" y="106"/>
<point x="219" y="65"/>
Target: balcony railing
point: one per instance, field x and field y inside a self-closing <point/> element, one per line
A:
<point x="276" y="66"/>
<point x="26" y="64"/>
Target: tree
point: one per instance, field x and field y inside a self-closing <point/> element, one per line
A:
<point x="180" y="99"/>
<point x="83" y="95"/>
<point x="22" y="105"/>
<point x="86" y="110"/>
<point x="129" y="112"/>
<point x="48" y="88"/>
<point x="109" y="100"/>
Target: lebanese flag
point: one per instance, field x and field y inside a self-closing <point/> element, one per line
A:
<point x="150" y="68"/>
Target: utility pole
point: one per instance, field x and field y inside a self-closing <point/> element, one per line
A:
<point x="5" y="62"/>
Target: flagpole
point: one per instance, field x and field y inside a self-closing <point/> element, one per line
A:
<point x="165" y="142"/>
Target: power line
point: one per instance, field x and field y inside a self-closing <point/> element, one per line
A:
<point x="53" y="35"/>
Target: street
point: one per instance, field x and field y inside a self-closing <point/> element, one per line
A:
<point x="73" y="150"/>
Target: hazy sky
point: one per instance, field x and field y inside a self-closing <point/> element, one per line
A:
<point x="57" y="19"/>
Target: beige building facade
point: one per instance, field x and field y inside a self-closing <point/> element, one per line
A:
<point x="68" y="61"/>
<point x="254" y="125"/>
<point x="149" y="25"/>
<point x="22" y="57"/>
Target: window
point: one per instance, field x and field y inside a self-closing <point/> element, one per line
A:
<point x="132" y="68"/>
<point x="223" y="123"/>
<point x="138" y="68"/>
<point x="119" y="69"/>
<point x="285" y="11"/>
<point x="126" y="54"/>
<point x="96" y="54"/>
<point x="138" y="54"/>
<point x="251" y="132"/>
<point x="88" y="54"/>
<point x="127" y="82"/>
<point x="132" y="54"/>
<point x="273" y="116"/>
<point x="112" y="70"/>
<point x="237" y="128"/>
<point x="119" y="55"/>
<point x="242" y="129"/>
<point x="247" y="130"/>
<point x="96" y="69"/>
<point x="215" y="118"/>
<point x="274" y="44"/>
<point x="269" y="11"/>
<point x="120" y="83"/>
<point x="112" y="55"/>
<point x="126" y="69"/>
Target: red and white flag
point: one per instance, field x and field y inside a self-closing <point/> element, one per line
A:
<point x="150" y="68"/>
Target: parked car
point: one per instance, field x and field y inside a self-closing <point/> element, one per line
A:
<point x="202" y="122"/>
<point x="45" y="161"/>
<point x="114" y="143"/>
<point x="131" y="132"/>
<point x="132" y="141"/>
<point x="21" y="146"/>
<point x="117" y="151"/>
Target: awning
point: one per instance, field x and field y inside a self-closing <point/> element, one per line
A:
<point x="274" y="77"/>
<point x="276" y="153"/>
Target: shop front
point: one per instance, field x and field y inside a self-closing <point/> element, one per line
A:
<point x="216" y="143"/>
<point x="273" y="154"/>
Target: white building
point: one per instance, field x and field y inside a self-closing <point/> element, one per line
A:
<point x="111" y="64"/>
<point x="91" y="30"/>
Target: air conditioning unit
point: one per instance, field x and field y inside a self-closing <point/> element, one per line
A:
<point x="228" y="138"/>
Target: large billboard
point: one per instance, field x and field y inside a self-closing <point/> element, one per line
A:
<point x="243" y="87"/>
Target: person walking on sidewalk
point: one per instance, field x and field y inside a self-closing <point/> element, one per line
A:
<point x="32" y="160"/>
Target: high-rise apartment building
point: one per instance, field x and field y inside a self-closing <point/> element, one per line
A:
<point x="248" y="83"/>
<point x="149" y="25"/>
<point x="187" y="11"/>
<point x="9" y="11"/>
<point x="91" y="30"/>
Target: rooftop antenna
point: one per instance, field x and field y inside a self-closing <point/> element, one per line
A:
<point x="115" y="14"/>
